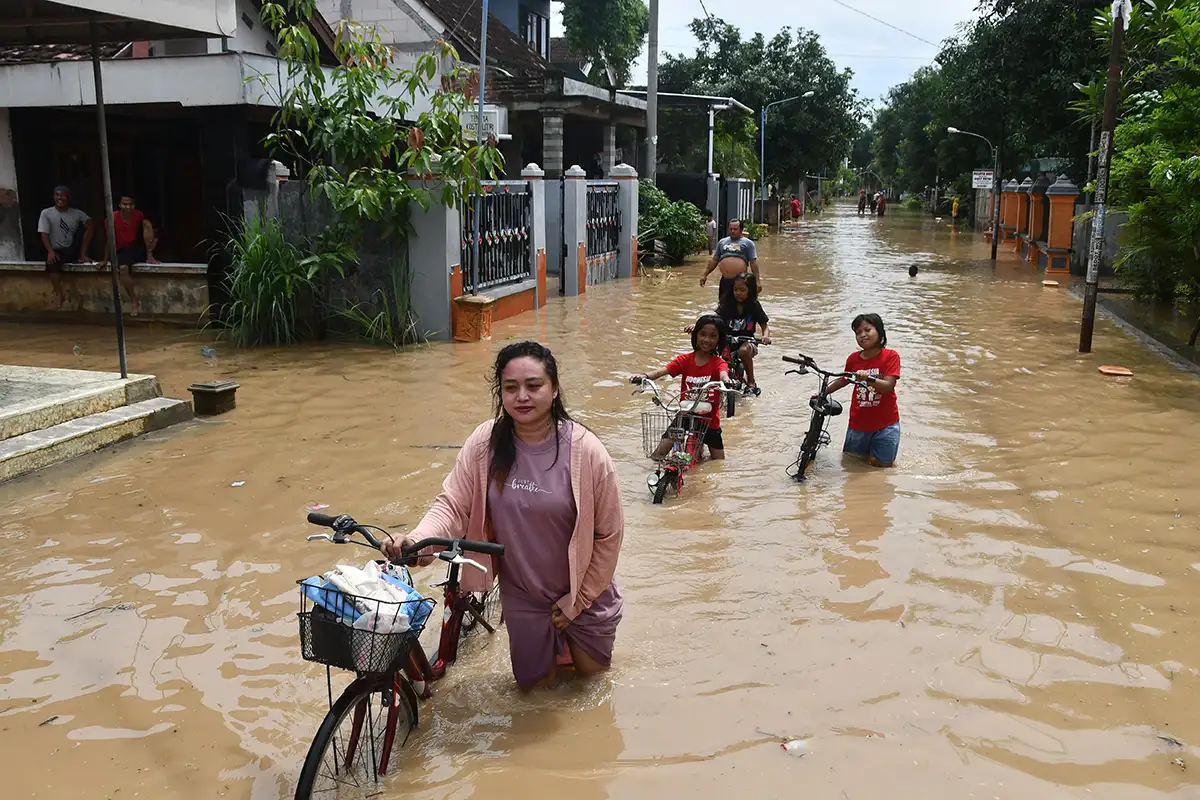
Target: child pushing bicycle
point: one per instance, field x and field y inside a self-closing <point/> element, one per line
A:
<point x="695" y="369"/>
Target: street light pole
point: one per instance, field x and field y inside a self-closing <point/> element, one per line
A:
<point x="762" y="155"/>
<point x="995" y="184"/>
<point x="652" y="96"/>
<point x="1121" y="12"/>
<point x="712" y="120"/>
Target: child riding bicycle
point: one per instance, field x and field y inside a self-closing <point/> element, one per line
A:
<point x="695" y="369"/>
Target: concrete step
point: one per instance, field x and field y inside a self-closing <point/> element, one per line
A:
<point x="36" y="399"/>
<point x="37" y="449"/>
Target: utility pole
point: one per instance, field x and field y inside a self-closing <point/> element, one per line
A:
<point x="480" y="142"/>
<point x="652" y="96"/>
<point x="1121" y="11"/>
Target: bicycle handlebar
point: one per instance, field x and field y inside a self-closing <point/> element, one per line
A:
<point x="486" y="548"/>
<point x="806" y="363"/>
<point x="343" y="526"/>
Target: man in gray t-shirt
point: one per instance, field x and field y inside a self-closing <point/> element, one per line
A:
<point x="735" y="253"/>
<point x="66" y="235"/>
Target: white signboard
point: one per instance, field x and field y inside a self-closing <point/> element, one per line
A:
<point x="495" y="121"/>
<point x="982" y="179"/>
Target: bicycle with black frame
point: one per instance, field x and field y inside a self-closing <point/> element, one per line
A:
<point x="823" y="408"/>
<point x="353" y="746"/>
<point x="737" y="370"/>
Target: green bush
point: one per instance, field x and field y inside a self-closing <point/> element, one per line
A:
<point x="270" y="283"/>
<point x="756" y="230"/>
<point x="679" y="226"/>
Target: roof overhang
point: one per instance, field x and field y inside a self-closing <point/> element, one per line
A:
<point x="70" y="21"/>
<point x="700" y="101"/>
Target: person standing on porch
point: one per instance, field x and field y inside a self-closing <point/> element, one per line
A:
<point x="710" y="227"/>
<point x="66" y="234"/>
<point x="135" y="244"/>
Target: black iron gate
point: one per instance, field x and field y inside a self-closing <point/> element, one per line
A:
<point x="603" y="224"/>
<point x="505" y="220"/>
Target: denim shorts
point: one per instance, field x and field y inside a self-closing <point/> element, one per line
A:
<point x="882" y="445"/>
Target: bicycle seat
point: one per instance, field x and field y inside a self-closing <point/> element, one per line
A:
<point x="832" y="407"/>
<point x="699" y="407"/>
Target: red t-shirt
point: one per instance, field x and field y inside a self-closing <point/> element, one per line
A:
<point x="693" y="376"/>
<point x="870" y="410"/>
<point x="795" y="208"/>
<point x="127" y="230"/>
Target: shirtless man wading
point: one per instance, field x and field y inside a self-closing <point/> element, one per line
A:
<point x="735" y="253"/>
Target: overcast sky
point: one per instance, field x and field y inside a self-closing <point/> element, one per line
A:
<point x="879" y="56"/>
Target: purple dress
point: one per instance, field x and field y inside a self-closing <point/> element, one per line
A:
<point x="534" y="517"/>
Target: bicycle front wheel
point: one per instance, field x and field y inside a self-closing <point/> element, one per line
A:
<point x="353" y="746"/>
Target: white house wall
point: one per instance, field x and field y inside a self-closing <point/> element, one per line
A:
<point x="395" y="24"/>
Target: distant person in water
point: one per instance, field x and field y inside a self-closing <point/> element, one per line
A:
<point x="862" y="202"/>
<point x="883" y="202"/>
<point x="795" y="207"/>
<point x="874" y="203"/>
<point x="912" y="271"/>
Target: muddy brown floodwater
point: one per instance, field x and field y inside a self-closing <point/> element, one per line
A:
<point x="1011" y="612"/>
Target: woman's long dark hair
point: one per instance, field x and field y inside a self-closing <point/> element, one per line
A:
<point x="728" y="307"/>
<point x="503" y="443"/>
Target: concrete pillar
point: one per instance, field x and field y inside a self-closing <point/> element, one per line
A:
<point x="435" y="264"/>
<point x="1008" y="211"/>
<point x="1037" y="210"/>
<point x="609" y="155"/>
<point x="574" y="274"/>
<point x="627" y="201"/>
<point x="1022" y="212"/>
<point x="552" y="144"/>
<point x="1059" y="236"/>
<point x="12" y="245"/>
<point x="537" y="229"/>
<point x="713" y="201"/>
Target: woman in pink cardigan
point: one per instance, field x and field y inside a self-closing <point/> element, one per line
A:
<point x="544" y="487"/>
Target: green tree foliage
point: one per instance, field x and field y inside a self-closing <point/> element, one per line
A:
<point x="808" y="136"/>
<point x="1009" y="75"/>
<point x="608" y="33"/>
<point x="1156" y="166"/>
<point x="351" y="132"/>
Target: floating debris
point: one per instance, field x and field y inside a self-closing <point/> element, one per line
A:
<point x="1051" y="284"/>
<point x="47" y="721"/>
<point x="236" y="484"/>
<point x="795" y="747"/>
<point x="1121" y="372"/>
<point x="1179" y="762"/>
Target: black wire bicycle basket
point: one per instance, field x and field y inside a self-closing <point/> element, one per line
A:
<point x="366" y="638"/>
<point x="659" y="425"/>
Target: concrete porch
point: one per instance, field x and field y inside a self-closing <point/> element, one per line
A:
<point x="51" y="415"/>
<point x="175" y="294"/>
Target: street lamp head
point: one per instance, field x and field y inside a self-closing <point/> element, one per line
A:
<point x="952" y="129"/>
<point x="809" y="93"/>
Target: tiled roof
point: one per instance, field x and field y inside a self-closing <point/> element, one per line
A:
<point x="560" y="52"/>
<point x="505" y="47"/>
<point x="43" y="53"/>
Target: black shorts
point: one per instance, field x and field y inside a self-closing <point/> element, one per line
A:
<point x="712" y="438"/>
<point x="66" y="255"/>
<point x="128" y="256"/>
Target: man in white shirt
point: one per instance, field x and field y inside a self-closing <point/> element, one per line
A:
<point x="66" y="235"/>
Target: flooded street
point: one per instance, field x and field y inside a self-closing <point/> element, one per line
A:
<point x="1011" y="612"/>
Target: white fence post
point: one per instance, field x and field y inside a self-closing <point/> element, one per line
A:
<point x="627" y="201"/>
<point x="575" y="232"/>
<point x="434" y="255"/>
<point x="537" y="229"/>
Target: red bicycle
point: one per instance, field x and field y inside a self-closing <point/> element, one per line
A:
<point x="353" y="746"/>
<point x="674" y="436"/>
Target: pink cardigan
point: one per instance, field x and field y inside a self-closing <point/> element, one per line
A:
<point x="461" y="509"/>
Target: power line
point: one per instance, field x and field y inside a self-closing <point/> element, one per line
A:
<point x="882" y="22"/>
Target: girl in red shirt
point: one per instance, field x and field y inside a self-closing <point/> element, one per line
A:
<point x="874" y="431"/>
<point x="698" y="367"/>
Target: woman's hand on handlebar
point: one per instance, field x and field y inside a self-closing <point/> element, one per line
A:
<point x="637" y="380"/>
<point x="394" y="551"/>
<point x="766" y="340"/>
